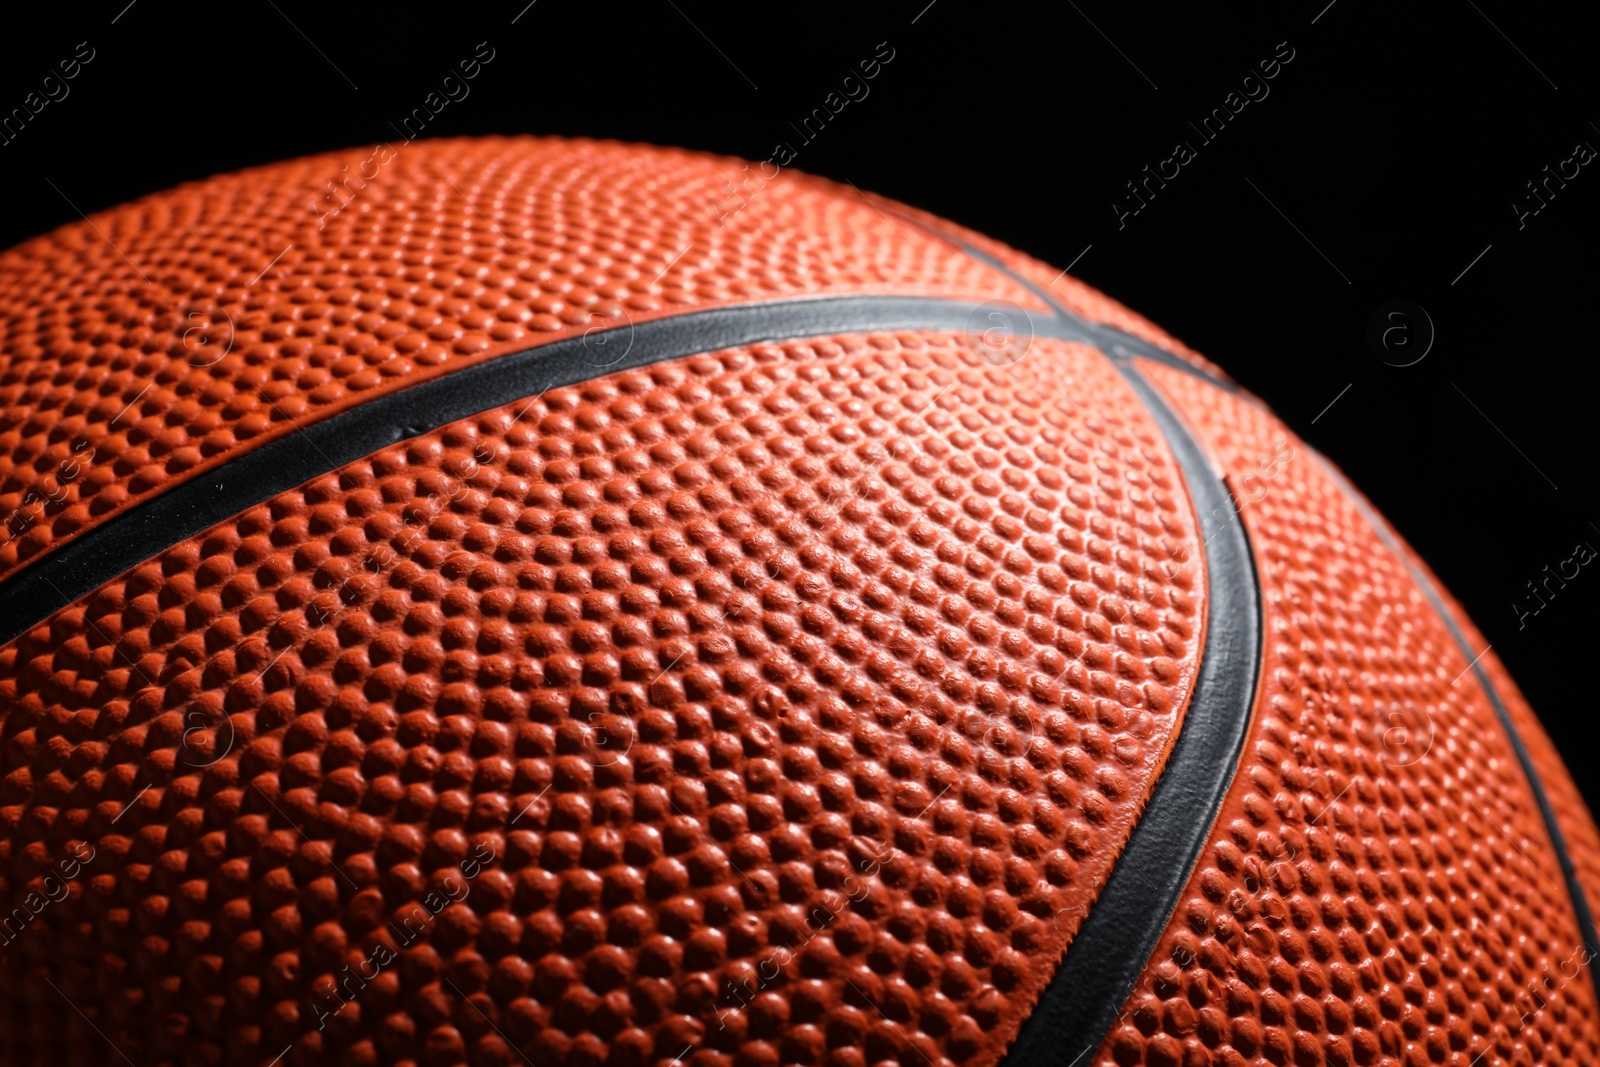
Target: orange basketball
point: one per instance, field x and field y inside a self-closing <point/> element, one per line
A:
<point x="568" y="603"/>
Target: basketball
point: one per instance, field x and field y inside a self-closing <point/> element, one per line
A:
<point x="569" y="603"/>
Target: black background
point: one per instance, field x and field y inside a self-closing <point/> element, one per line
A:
<point x="1382" y="164"/>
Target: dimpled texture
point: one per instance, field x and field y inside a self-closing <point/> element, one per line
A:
<point x="1572" y="814"/>
<point x="154" y="341"/>
<point x="1573" y="817"/>
<point x="785" y="704"/>
<point x="1379" y="887"/>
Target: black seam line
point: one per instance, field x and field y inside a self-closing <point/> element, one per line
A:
<point x="1558" y="840"/>
<point x="1126" y="920"/>
<point x="1575" y="891"/>
<point x="84" y="564"/>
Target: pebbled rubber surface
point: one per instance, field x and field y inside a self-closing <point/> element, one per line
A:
<point x="1469" y="643"/>
<point x="1380" y="887"/>
<point x="98" y="554"/>
<point x="154" y="341"/>
<point x="1107" y="956"/>
<point x="1576" y="824"/>
<point x="784" y="704"/>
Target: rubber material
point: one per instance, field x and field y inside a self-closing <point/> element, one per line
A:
<point x="1073" y="1003"/>
<point x="1558" y="841"/>
<point x="1127" y="920"/>
<point x="1147" y="877"/>
<point x="81" y="566"/>
<point x="965" y="596"/>
<point x="1122" y="928"/>
<point x="1124" y="924"/>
